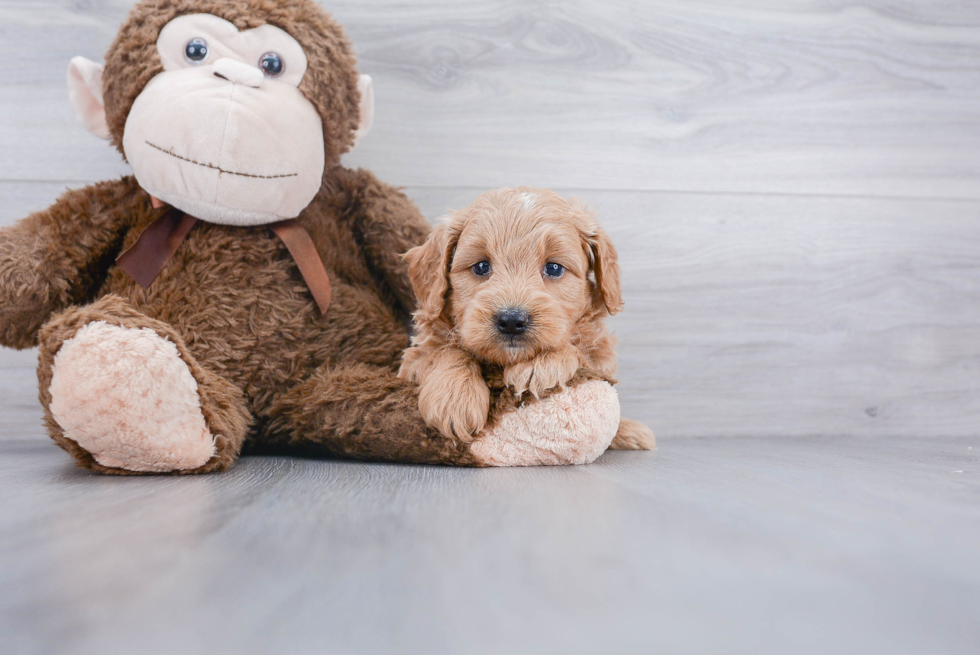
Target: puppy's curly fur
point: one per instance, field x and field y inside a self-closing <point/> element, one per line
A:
<point x="539" y="257"/>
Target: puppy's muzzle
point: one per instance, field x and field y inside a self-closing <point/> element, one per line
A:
<point x="512" y="322"/>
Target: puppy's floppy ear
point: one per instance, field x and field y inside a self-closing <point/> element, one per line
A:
<point x="428" y="270"/>
<point x="605" y="267"/>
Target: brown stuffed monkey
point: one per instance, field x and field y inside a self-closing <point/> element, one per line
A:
<point x="242" y="290"/>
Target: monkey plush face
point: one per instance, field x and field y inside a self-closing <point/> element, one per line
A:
<point x="223" y="132"/>
<point x="225" y="129"/>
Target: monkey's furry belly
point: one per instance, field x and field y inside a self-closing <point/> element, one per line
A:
<point x="243" y="309"/>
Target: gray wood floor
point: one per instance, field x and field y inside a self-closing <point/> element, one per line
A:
<point x="793" y="187"/>
<point x="713" y="545"/>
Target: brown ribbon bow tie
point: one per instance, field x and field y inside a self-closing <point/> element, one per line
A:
<point x="158" y="242"/>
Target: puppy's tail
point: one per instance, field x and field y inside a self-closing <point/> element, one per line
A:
<point x="633" y="435"/>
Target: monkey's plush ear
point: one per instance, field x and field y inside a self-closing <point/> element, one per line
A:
<point x="365" y="86"/>
<point x="428" y="270"/>
<point x="85" y="95"/>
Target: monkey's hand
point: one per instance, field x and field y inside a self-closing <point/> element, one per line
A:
<point x="27" y="295"/>
<point x="61" y="255"/>
<point x="453" y="396"/>
<point x="546" y="371"/>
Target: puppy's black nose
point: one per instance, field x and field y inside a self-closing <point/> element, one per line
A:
<point x="511" y="321"/>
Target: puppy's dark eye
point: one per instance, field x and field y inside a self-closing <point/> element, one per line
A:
<point x="271" y="64"/>
<point x="481" y="268"/>
<point x="196" y="50"/>
<point x="551" y="269"/>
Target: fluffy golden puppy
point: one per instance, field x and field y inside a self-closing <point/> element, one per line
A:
<point x="522" y="279"/>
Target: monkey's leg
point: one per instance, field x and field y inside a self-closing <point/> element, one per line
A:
<point x="362" y="412"/>
<point x="366" y="412"/>
<point x="123" y="395"/>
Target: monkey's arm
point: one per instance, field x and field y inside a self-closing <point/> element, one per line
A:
<point x="60" y="256"/>
<point x="387" y="224"/>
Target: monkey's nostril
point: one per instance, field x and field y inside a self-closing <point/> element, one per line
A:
<point x="238" y="72"/>
<point x="511" y="321"/>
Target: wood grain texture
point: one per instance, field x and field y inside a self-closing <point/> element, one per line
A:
<point x="777" y="313"/>
<point x="763" y="546"/>
<point x="814" y="96"/>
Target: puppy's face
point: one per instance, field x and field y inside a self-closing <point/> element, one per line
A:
<point x="522" y="268"/>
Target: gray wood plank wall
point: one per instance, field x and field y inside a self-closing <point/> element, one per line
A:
<point x="794" y="186"/>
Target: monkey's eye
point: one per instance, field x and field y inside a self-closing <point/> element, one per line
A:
<point x="481" y="268"/>
<point x="271" y="64"/>
<point x="196" y="50"/>
<point x="551" y="269"/>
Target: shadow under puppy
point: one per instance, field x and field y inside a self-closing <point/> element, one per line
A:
<point x="513" y="292"/>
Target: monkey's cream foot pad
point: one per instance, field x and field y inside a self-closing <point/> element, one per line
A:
<point x="574" y="426"/>
<point x="126" y="396"/>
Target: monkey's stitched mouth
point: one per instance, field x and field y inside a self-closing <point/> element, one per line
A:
<point x="217" y="168"/>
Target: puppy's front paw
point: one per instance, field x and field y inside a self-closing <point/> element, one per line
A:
<point x="458" y="410"/>
<point x="542" y="373"/>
